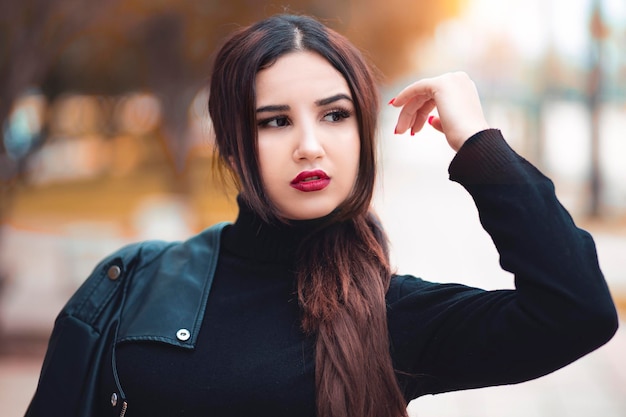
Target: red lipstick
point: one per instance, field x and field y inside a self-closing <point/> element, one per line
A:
<point x="308" y="181"/>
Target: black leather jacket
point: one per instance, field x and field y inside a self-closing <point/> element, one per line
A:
<point x="121" y="302"/>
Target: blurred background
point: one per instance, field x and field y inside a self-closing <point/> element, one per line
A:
<point x="105" y="139"/>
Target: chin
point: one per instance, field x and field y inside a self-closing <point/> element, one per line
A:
<point x="307" y="212"/>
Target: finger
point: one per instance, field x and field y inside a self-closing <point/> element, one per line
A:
<point x="421" y="115"/>
<point x="409" y="112"/>
<point x="409" y="125"/>
<point x="423" y="87"/>
<point x="435" y="122"/>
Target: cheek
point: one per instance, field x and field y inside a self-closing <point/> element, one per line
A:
<point x="268" y="163"/>
<point x="349" y="162"/>
<point x="354" y="155"/>
<point x="355" y="165"/>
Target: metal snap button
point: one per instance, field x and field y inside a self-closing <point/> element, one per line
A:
<point x="183" y="335"/>
<point x="114" y="399"/>
<point x="114" y="272"/>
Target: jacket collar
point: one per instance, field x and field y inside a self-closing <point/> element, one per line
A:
<point x="168" y="290"/>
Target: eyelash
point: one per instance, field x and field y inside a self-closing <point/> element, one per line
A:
<point x="342" y="113"/>
<point x="339" y="113"/>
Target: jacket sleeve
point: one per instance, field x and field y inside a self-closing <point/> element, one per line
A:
<point x="448" y="336"/>
<point x="69" y="372"/>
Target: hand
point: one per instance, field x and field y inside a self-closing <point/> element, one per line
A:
<point x="457" y="102"/>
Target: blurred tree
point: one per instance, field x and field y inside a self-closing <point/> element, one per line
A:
<point x="32" y="32"/>
<point x="389" y="30"/>
<point x="165" y="46"/>
<point x="599" y="32"/>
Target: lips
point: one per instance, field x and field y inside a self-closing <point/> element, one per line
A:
<point x="308" y="181"/>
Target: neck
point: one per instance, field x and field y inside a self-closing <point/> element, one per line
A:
<point x="251" y="237"/>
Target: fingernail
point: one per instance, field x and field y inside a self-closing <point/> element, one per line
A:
<point x="430" y="119"/>
<point x="412" y="133"/>
<point x="395" y="131"/>
<point x="392" y="101"/>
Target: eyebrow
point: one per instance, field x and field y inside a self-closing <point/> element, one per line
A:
<point x="319" y="103"/>
<point x="332" y="99"/>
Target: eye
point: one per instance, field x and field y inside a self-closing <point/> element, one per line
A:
<point x="337" y="115"/>
<point x="279" y="121"/>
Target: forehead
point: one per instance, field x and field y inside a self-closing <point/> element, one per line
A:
<point x="301" y="74"/>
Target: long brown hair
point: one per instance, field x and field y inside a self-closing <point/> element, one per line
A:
<point x="343" y="271"/>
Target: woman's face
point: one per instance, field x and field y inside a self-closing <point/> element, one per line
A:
<point x="308" y="139"/>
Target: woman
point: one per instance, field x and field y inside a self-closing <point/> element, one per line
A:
<point x="293" y="310"/>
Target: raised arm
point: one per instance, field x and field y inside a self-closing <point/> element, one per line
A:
<point x="454" y="337"/>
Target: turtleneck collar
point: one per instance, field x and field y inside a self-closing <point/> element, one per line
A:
<point x="252" y="238"/>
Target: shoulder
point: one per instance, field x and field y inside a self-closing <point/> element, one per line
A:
<point x="143" y="254"/>
<point x="113" y="272"/>
<point x="410" y="289"/>
<point x="109" y="276"/>
<point x="400" y="285"/>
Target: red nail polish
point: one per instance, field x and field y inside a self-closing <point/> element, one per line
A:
<point x="412" y="133"/>
<point x="395" y="131"/>
<point x="430" y="119"/>
<point x="392" y="101"/>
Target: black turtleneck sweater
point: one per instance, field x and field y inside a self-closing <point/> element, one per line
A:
<point x="251" y="355"/>
<point x="252" y="358"/>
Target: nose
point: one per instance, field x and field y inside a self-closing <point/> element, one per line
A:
<point x="309" y="145"/>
